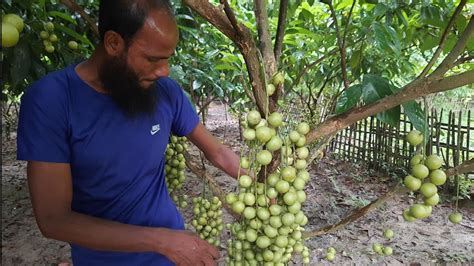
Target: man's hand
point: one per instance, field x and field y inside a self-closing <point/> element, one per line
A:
<point x="186" y="248"/>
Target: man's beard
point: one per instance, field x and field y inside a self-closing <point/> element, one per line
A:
<point x="122" y="84"/>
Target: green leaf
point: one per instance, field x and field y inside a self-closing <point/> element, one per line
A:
<point x="461" y="22"/>
<point x="415" y="114"/>
<point x="380" y="9"/>
<point x="391" y="116"/>
<point x="74" y="34"/>
<point x="348" y="98"/>
<point x="431" y="15"/>
<point x="374" y="88"/>
<point x="21" y="63"/>
<point x="62" y="15"/>
<point x="428" y="42"/>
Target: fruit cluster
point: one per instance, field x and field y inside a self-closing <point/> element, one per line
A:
<point x="12" y="26"/>
<point x="426" y="175"/>
<point x="208" y="219"/>
<point x="174" y="168"/>
<point x="48" y="37"/>
<point x="381" y="249"/>
<point x="271" y="228"/>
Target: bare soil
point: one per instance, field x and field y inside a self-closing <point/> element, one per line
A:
<point x="336" y="189"/>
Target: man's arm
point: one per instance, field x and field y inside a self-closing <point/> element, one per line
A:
<point x="50" y="187"/>
<point x="217" y="153"/>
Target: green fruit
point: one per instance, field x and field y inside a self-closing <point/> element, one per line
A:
<point x="288" y="219"/>
<point x="288" y="173"/>
<point x="10" y="35"/>
<point x="253" y="118"/>
<point x="330" y="256"/>
<point x="300" y="164"/>
<point x="244" y="162"/>
<point x="274" y="143"/>
<point x="278" y="78"/>
<point x="251" y="235"/>
<point x="299" y="183"/>
<point x="275" y="119"/>
<point x="301" y="141"/>
<point x="303" y="128"/>
<point x="428" y="190"/>
<point x="331" y="250"/>
<point x="72" y="45"/>
<point x="264" y="157"/>
<point x="420" y="171"/>
<point x="282" y="186"/>
<point x="275" y="221"/>
<point x="387" y="251"/>
<point x="289" y="198"/>
<point x="407" y="217"/>
<point x="281" y="241"/>
<point x="275" y="209"/>
<point x="416" y="159"/>
<point x="412" y="183"/>
<point x="249" y="199"/>
<point x="414" y="137"/>
<point x="272" y="179"/>
<point x="455" y="217"/>
<point x="301" y="195"/>
<point x="49" y="26"/>
<point x="438" y="177"/>
<point x="418" y="211"/>
<point x="44" y="35"/>
<point x="249" y="134"/>
<point x="245" y="181"/>
<point x="231" y="198"/>
<point x="270" y="231"/>
<point x="53" y="38"/>
<point x="263" y="134"/>
<point x="14" y="20"/>
<point x="263" y="242"/>
<point x="49" y="49"/>
<point x="272" y="193"/>
<point x="433" y="162"/>
<point x="270" y="89"/>
<point x="377" y="248"/>
<point x="388" y="233"/>
<point x="263" y="214"/>
<point x="302" y="153"/>
<point x="238" y="207"/>
<point x="294" y="136"/>
<point x="433" y="200"/>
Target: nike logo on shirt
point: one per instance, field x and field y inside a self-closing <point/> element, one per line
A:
<point x="155" y="129"/>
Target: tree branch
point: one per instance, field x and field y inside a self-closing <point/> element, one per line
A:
<point x="444" y="37"/>
<point x="231" y="16"/>
<point x="465" y="167"/>
<point x="463" y="60"/>
<point x="264" y="37"/>
<point x="73" y="6"/>
<point x="449" y="60"/>
<point x="340" y="43"/>
<point x="280" y="30"/>
<point x="411" y="91"/>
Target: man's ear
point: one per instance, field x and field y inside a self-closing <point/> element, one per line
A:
<point x="114" y="44"/>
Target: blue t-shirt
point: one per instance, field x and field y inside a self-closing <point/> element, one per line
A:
<point x="117" y="163"/>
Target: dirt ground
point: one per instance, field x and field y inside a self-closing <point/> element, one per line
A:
<point x="336" y="189"/>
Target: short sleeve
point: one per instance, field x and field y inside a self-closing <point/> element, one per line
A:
<point x="185" y="118"/>
<point x="43" y="124"/>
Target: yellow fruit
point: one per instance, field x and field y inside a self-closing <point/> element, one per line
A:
<point x="412" y="183"/>
<point x="49" y="26"/>
<point x="428" y="190"/>
<point x="15" y="20"/>
<point x="420" y="171"/>
<point x="10" y="35"/>
<point x="414" y="137"/>
<point x="433" y="162"/>
<point x="438" y="177"/>
<point x="49" y="49"/>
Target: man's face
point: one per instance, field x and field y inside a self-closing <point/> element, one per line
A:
<point x="130" y="78"/>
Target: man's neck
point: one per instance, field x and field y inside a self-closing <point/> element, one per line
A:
<point x="89" y="69"/>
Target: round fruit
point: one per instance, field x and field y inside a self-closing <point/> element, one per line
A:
<point x="49" y="26"/>
<point x="264" y="157"/>
<point x="438" y="177"/>
<point x="282" y="186"/>
<point x="244" y="162"/>
<point x="274" y="143"/>
<point x="49" y="49"/>
<point x="263" y="134"/>
<point x="72" y="45"/>
<point x="420" y="171"/>
<point x="416" y="159"/>
<point x="263" y="242"/>
<point x="376" y="247"/>
<point x="388" y="233"/>
<point x="278" y="79"/>
<point x="231" y="198"/>
<point x="53" y="38"/>
<point x="412" y="183"/>
<point x="10" y="35"/>
<point x="253" y="118"/>
<point x="238" y="207"/>
<point x="433" y="200"/>
<point x="289" y="198"/>
<point x="15" y="20"/>
<point x="288" y="173"/>
<point x="44" y="35"/>
<point x="303" y="128"/>
<point x="428" y="190"/>
<point x="455" y="217"/>
<point x="294" y="136"/>
<point x="387" y="251"/>
<point x="433" y="162"/>
<point x="414" y="137"/>
<point x="275" y="119"/>
<point x="245" y="181"/>
<point x="407" y="217"/>
<point x="418" y="211"/>
<point x="330" y="256"/>
<point x="331" y="250"/>
<point x="270" y="89"/>
<point x="249" y="134"/>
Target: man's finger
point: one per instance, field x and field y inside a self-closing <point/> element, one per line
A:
<point x="208" y="261"/>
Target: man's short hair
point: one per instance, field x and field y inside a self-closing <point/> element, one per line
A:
<point x="126" y="17"/>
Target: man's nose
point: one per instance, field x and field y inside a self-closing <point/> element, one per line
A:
<point x="162" y="70"/>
